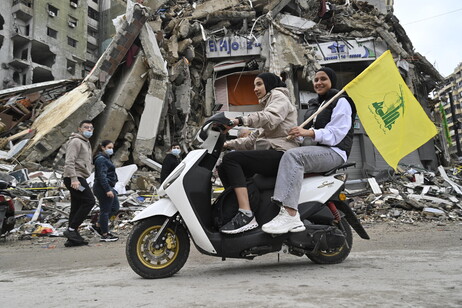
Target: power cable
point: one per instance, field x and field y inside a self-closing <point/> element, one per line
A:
<point x="431" y="17"/>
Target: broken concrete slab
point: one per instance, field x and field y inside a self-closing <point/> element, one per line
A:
<point x="118" y="48"/>
<point x="295" y="23"/>
<point x="59" y="119"/>
<point x="37" y="87"/>
<point x="150" y="119"/>
<point x="122" y="98"/>
<point x="152" y="51"/>
<point x="457" y="188"/>
<point x="62" y="117"/>
<point x="207" y="7"/>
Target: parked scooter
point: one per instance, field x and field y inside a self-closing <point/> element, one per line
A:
<point x="158" y="245"/>
<point x="7" y="218"/>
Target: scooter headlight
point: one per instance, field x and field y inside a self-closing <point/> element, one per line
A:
<point x="174" y="175"/>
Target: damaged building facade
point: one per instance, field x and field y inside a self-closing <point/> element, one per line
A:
<point x="171" y="64"/>
<point x="449" y="98"/>
<point x="50" y="40"/>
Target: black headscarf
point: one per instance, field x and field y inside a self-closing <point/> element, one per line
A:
<point x="333" y="80"/>
<point x="271" y="81"/>
<point x="331" y="74"/>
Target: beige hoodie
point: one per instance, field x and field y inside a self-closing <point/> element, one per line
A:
<point x="275" y="121"/>
<point x="78" y="161"/>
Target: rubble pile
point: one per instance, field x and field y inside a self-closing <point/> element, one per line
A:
<point x="42" y="204"/>
<point x="411" y="195"/>
<point x="408" y="196"/>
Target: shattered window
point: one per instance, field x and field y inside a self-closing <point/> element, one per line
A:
<point x="71" y="42"/>
<point x="93" y="14"/>
<point x="71" y="67"/>
<point x="92" y="32"/>
<point x="52" y="11"/>
<point x="72" y="22"/>
<point x="52" y="33"/>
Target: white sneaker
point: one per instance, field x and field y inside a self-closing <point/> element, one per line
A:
<point x="284" y="223"/>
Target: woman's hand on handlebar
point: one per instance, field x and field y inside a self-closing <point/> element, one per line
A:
<point x="232" y="123"/>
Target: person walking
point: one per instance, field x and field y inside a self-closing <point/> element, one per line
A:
<point x="261" y="151"/>
<point x="77" y="168"/>
<point x="171" y="160"/>
<point x="330" y="134"/>
<point x="103" y="188"/>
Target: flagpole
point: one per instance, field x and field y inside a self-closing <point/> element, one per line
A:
<point x="321" y="108"/>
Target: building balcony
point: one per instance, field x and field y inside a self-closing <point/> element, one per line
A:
<point x="19" y="64"/>
<point x="20" y="39"/>
<point x="92" y="40"/>
<point x="92" y="58"/>
<point x="22" y="9"/>
<point x="93" y="23"/>
<point x="93" y="5"/>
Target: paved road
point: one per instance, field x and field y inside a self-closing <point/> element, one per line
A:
<point x="401" y="266"/>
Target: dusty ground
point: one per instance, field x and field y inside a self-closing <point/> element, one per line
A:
<point x="401" y="266"/>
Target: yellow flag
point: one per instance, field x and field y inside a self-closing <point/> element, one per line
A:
<point x="390" y="114"/>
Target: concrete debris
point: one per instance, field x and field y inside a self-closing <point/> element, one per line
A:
<point x="405" y="200"/>
<point x="42" y="202"/>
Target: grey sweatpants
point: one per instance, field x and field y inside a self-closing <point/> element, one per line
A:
<point x="294" y="163"/>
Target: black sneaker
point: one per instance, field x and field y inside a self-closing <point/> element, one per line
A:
<point x="239" y="223"/>
<point x="73" y="236"/>
<point x="108" y="238"/>
<point x="70" y="243"/>
<point x="96" y="229"/>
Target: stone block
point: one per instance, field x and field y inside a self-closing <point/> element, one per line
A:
<point x="115" y="119"/>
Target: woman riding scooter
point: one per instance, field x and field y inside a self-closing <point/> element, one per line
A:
<point x="261" y="155"/>
<point x="332" y="133"/>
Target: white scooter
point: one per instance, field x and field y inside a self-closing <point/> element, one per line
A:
<point x="158" y="245"/>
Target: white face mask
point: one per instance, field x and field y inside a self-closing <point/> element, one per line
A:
<point x="87" y="134"/>
<point x="176" y="152"/>
<point x="109" y="151"/>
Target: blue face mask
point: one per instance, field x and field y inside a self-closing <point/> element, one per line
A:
<point x="87" y="134"/>
<point x="176" y="152"/>
<point x="109" y="151"/>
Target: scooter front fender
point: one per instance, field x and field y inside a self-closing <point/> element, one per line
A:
<point x="162" y="207"/>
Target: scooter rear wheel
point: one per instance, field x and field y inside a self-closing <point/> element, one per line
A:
<point x="337" y="255"/>
<point x="164" y="260"/>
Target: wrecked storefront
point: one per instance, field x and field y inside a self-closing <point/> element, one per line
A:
<point x="172" y="64"/>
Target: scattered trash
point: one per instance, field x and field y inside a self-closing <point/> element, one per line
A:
<point x="403" y="199"/>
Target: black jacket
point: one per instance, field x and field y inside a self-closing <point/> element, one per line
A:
<point x="170" y="163"/>
<point x="105" y="174"/>
<point x="324" y="117"/>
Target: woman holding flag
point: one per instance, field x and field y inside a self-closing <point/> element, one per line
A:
<point x="330" y="133"/>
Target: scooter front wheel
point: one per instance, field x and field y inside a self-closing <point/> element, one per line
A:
<point x="157" y="261"/>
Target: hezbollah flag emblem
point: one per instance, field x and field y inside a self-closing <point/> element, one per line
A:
<point x="392" y="117"/>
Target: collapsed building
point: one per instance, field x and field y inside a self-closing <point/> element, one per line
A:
<point x="174" y="63"/>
